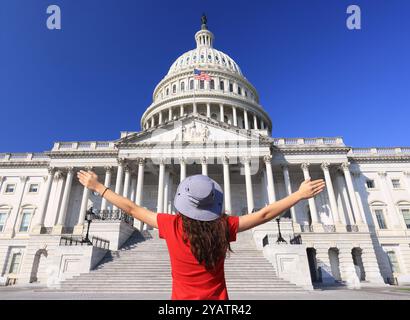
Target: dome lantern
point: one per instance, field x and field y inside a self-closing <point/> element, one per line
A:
<point x="204" y="37"/>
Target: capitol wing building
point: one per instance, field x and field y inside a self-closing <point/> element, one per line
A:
<point x="356" y="232"/>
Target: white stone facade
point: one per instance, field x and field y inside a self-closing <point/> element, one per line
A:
<point x="357" y="231"/>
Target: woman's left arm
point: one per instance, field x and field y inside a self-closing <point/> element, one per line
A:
<point x="90" y="180"/>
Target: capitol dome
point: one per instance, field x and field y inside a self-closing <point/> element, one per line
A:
<point x="223" y="95"/>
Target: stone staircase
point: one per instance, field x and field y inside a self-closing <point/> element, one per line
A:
<point x="142" y="265"/>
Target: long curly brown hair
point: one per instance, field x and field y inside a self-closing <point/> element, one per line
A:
<point x="209" y="240"/>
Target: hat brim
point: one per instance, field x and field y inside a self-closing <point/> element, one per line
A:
<point x="201" y="213"/>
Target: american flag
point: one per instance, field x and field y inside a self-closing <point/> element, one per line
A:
<point x="201" y="75"/>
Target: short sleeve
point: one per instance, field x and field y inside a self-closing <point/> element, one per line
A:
<point x="233" y="224"/>
<point x="165" y="224"/>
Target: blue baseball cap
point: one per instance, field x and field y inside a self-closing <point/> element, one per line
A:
<point x="199" y="197"/>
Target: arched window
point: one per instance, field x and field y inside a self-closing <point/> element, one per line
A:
<point x="191" y="84"/>
<point x="230" y="87"/>
<point x="239" y="90"/>
<point x="167" y="92"/>
<point x="4" y="212"/>
<point x="404" y="209"/>
<point x="174" y="88"/>
<point x="222" y="85"/>
<point x="212" y="85"/>
<point x="182" y="86"/>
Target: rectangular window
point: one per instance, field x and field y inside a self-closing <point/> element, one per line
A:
<point x="380" y="218"/>
<point x="239" y="90"/>
<point x="201" y="84"/>
<point x="212" y="84"/>
<point x="222" y="85"/>
<point x="10" y="187"/>
<point x="3" y="216"/>
<point x="394" y="264"/>
<point x="406" y="216"/>
<point x="370" y="184"/>
<point x="33" y="188"/>
<point x="15" y="262"/>
<point x="230" y="87"/>
<point x="396" y="183"/>
<point x="25" y="221"/>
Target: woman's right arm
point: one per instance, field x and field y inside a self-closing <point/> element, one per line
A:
<point x="90" y="180"/>
<point x="308" y="189"/>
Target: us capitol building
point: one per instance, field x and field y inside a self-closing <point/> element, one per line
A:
<point x="356" y="232"/>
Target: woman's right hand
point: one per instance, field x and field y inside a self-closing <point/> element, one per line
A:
<point x="309" y="188"/>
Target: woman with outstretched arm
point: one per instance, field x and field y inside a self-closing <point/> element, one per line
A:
<point x="199" y="235"/>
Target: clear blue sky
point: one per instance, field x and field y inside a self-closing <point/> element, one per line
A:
<point x="95" y="77"/>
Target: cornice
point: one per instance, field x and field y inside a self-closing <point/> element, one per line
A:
<point x="24" y="164"/>
<point x="82" y="154"/>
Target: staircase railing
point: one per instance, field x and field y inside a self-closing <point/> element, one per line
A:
<point x="79" y="241"/>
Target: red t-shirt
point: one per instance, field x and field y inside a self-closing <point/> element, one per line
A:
<point x="191" y="280"/>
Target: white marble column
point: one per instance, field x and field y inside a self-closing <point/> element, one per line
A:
<point x="182" y="165"/>
<point x="227" y="185"/>
<point x="133" y="185"/>
<point x="245" y="115"/>
<point x="352" y="195"/>
<point x="83" y="209"/>
<point x="126" y="188"/>
<point x="107" y="183"/>
<point x="152" y="121"/>
<point x="44" y="203"/>
<point x="169" y="114"/>
<point x="288" y="186"/>
<point x="235" y="119"/>
<point x="407" y="175"/>
<point x="343" y="198"/>
<point x="208" y="110"/>
<point x="181" y="110"/>
<point x="1" y="181"/>
<point x="160" y="200"/>
<point x="255" y="122"/>
<point x="390" y="213"/>
<point x="248" y="184"/>
<point x="204" y="166"/>
<point x="166" y="191"/>
<point x="221" y="112"/>
<point x="64" y="201"/>
<point x="194" y="108"/>
<point x="312" y="205"/>
<point x="262" y="125"/>
<point x="332" y="199"/>
<point x="139" y="192"/>
<point x="118" y="182"/>
<point x="160" y="117"/>
<point x="269" y="175"/>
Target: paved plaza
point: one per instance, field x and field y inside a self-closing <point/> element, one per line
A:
<point x="332" y="293"/>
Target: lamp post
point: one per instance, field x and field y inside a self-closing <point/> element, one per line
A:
<point x="88" y="217"/>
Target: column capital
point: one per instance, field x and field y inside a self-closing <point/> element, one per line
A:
<point x="141" y="161"/>
<point x="267" y="158"/>
<point x="204" y="160"/>
<point x="325" y="166"/>
<point x="162" y="161"/>
<point x="69" y="169"/>
<point x="58" y="175"/>
<point x="120" y="161"/>
<point x="108" y="169"/>
<point x="23" y="179"/>
<point x="345" y="166"/>
<point x="225" y="159"/>
<point x="127" y="168"/>
<point x="246" y="160"/>
<point x="284" y="166"/>
<point x="51" y="170"/>
<point x="182" y="160"/>
<point x="305" y="165"/>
